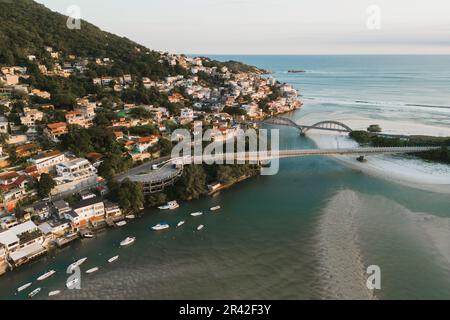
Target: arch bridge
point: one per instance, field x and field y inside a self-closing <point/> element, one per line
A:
<point x="328" y="125"/>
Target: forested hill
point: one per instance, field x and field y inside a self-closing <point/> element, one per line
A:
<point x="26" y="27"/>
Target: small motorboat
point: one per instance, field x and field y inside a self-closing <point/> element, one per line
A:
<point x="121" y="223"/>
<point x="200" y="227"/>
<point x="127" y="241"/>
<point x="46" y="275"/>
<point x="88" y="235"/>
<point x="92" y="270"/>
<point x="111" y="260"/>
<point x="54" y="293"/>
<point x="196" y="214"/>
<point x="72" y="283"/>
<point x="180" y="224"/>
<point x="25" y="286"/>
<point x="161" y="226"/>
<point x="172" y="205"/>
<point x="34" y="292"/>
<point x="130" y="216"/>
<point x="215" y="208"/>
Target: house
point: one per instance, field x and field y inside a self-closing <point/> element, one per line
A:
<point x="95" y="158"/>
<point x="8" y="178"/>
<point x="142" y="144"/>
<point x="187" y="115"/>
<point x="252" y="110"/>
<point x="47" y="161"/>
<point x="78" y="118"/>
<point x="4" y="124"/>
<point x="113" y="211"/>
<point x="89" y="210"/>
<point x="75" y="170"/>
<point x="22" y="242"/>
<point x="118" y="135"/>
<point x="8" y="222"/>
<point x="26" y="150"/>
<point x="54" y="229"/>
<point x="61" y="207"/>
<point x="41" y="94"/>
<point x="55" y="130"/>
<point x="31" y="116"/>
<point x="42" y="210"/>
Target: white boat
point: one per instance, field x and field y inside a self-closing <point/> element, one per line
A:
<point x="127" y="241"/>
<point x="92" y="270"/>
<point x="196" y="214"/>
<point x="77" y="264"/>
<point x="113" y="259"/>
<point x="130" y="216"/>
<point x="46" y="275"/>
<point x="180" y="224"/>
<point x="121" y="223"/>
<point x="200" y="227"/>
<point x="88" y="235"/>
<point x="25" y="286"/>
<point x="215" y="208"/>
<point x="72" y="283"/>
<point x="54" y="293"/>
<point x="161" y="226"/>
<point x="34" y="292"/>
<point x="172" y="205"/>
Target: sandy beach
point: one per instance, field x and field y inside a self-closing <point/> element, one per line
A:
<point x="409" y="171"/>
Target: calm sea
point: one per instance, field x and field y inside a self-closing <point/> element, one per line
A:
<point x="279" y="237"/>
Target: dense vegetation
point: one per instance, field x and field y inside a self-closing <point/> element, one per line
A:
<point x="192" y="184"/>
<point x="442" y="155"/>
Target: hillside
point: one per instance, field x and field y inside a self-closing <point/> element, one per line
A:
<point x="26" y="27"/>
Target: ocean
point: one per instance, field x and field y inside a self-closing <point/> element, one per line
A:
<point x="309" y="232"/>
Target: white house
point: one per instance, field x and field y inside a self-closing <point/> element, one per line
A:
<point x="47" y="161"/>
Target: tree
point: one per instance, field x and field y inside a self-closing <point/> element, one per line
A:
<point x="374" y="128"/>
<point x="45" y="185"/>
<point x="156" y="199"/>
<point x="192" y="183"/>
<point x="128" y="194"/>
<point x="165" y="147"/>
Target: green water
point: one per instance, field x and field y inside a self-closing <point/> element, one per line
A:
<point x="264" y="243"/>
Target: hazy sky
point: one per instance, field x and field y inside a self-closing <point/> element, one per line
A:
<point x="272" y="26"/>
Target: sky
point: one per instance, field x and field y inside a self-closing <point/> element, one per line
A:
<point x="274" y="26"/>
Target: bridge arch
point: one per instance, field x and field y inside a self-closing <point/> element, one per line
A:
<point x="329" y="125"/>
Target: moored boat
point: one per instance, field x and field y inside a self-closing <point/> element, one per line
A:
<point x="121" y="223"/>
<point x="77" y="264"/>
<point x="127" y="241"/>
<point x="196" y="214"/>
<point x="130" y="216"/>
<point x="172" y="205"/>
<point x="161" y="226"/>
<point x="54" y="293"/>
<point x="34" y="292"/>
<point x="215" y="208"/>
<point x="92" y="270"/>
<point x="88" y="235"/>
<point x="25" y="286"/>
<point x="46" y="275"/>
<point x="110" y="260"/>
<point x="180" y="224"/>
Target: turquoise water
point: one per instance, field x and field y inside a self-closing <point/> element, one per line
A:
<point x="273" y="238"/>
